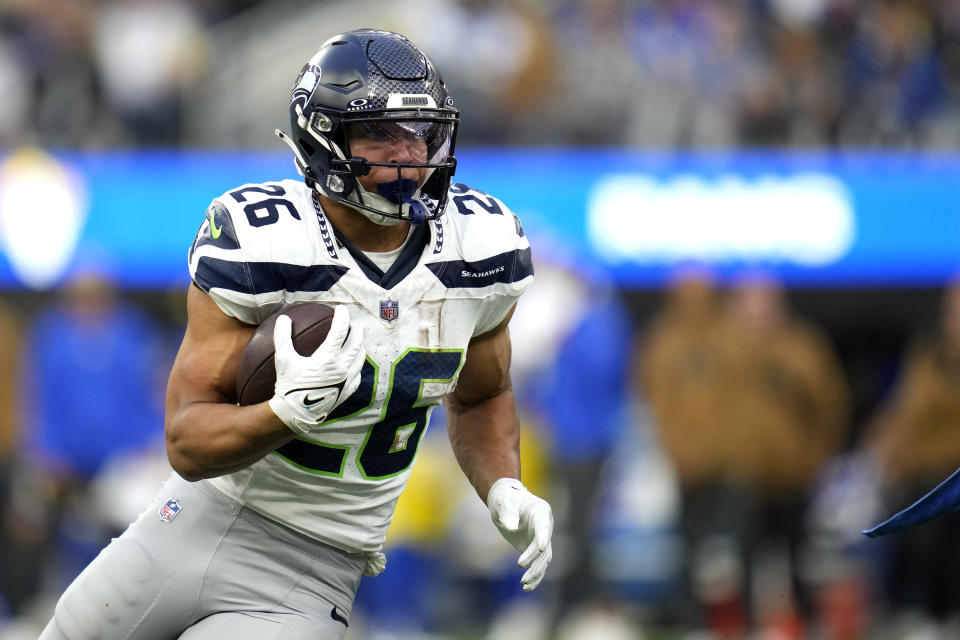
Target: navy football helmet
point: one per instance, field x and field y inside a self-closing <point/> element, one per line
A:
<point x="376" y="85"/>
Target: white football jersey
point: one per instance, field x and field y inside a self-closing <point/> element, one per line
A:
<point x="265" y="246"/>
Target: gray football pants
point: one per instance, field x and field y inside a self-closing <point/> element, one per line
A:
<point x="215" y="570"/>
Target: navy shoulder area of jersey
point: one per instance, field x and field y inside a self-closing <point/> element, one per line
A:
<point x="261" y="238"/>
<point x="480" y="242"/>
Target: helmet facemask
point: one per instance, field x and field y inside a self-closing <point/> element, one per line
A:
<point x="413" y="145"/>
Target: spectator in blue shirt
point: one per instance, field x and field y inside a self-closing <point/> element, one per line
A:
<point x="91" y="392"/>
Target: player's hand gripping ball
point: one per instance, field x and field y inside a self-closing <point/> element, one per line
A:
<point x="257" y="372"/>
<point x="305" y="360"/>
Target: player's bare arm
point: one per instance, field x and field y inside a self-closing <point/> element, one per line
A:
<point x="481" y="414"/>
<point x="206" y="434"/>
<point x="485" y="434"/>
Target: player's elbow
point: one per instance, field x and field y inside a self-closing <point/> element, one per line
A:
<point x="179" y="459"/>
<point x="185" y="468"/>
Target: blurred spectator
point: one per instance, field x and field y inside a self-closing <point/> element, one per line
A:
<point x="916" y="440"/>
<point x="147" y="53"/>
<point x="789" y="407"/>
<point x="49" y="41"/>
<point x="683" y="371"/>
<point x="693" y="59"/>
<point x="891" y="80"/>
<point x="793" y="402"/>
<point x="579" y="395"/>
<point x="13" y="83"/>
<point x="17" y="580"/>
<point x="498" y="57"/>
<point x="90" y="361"/>
<point x="590" y="97"/>
<point x="9" y="366"/>
<point x="750" y="403"/>
<point x="91" y="394"/>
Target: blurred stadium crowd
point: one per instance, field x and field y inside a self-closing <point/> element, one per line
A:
<point x="707" y="465"/>
<point x="662" y="73"/>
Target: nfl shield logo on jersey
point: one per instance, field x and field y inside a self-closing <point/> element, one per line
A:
<point x="170" y="510"/>
<point x="389" y="309"/>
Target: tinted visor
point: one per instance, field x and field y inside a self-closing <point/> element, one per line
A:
<point x="427" y="141"/>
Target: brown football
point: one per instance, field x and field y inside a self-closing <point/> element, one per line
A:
<point x="257" y="373"/>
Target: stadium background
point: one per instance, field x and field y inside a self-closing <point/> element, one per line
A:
<point x="644" y="144"/>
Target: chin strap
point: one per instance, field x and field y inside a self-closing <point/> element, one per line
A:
<point x="417" y="210"/>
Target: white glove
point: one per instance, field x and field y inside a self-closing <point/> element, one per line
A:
<point x="309" y="388"/>
<point x="526" y="522"/>
<point x="374" y="563"/>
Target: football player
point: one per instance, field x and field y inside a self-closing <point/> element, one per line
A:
<point x="278" y="508"/>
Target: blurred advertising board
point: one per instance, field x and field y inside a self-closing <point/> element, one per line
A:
<point x="816" y="219"/>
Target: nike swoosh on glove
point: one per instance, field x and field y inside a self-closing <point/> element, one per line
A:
<point x="310" y="387"/>
<point x="526" y="522"/>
